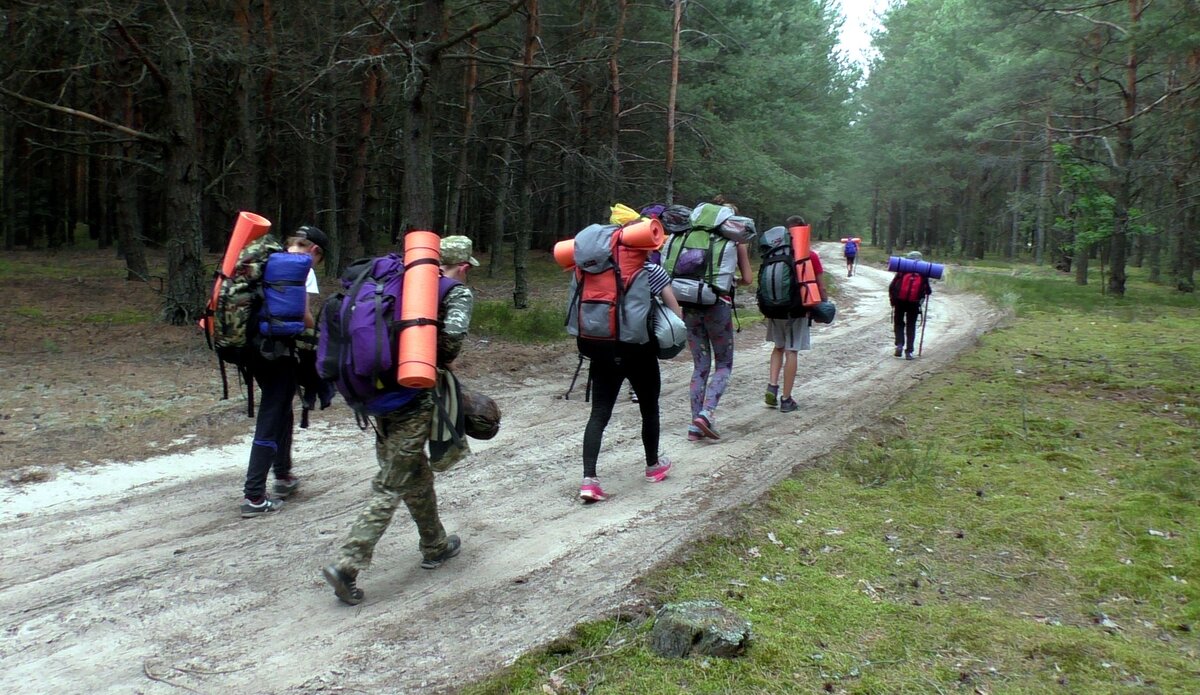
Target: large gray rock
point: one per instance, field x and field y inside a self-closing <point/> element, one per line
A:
<point x="703" y="627"/>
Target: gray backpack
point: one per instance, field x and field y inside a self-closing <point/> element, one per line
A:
<point x="610" y="296"/>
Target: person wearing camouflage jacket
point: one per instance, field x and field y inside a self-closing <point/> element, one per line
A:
<point x="404" y="471"/>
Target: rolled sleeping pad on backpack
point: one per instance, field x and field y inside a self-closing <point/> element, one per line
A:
<point x="851" y="238"/>
<point x="898" y="264"/>
<point x="810" y="293"/>
<point x="417" y="361"/>
<point x="246" y="229"/>
<point x="564" y="254"/>
<point x="645" y="234"/>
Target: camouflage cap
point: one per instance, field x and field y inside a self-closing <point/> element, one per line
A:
<point x="913" y="255"/>
<point x="457" y="249"/>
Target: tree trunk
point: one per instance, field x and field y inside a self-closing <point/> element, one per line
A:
<point x="614" y="80"/>
<point x="524" y="180"/>
<point x="354" y="241"/>
<point x="676" y="26"/>
<point x="185" y="292"/>
<point x="461" y="179"/>
<point x="1118" y="246"/>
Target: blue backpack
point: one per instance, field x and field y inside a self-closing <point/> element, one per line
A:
<point x="850" y="248"/>
<point x="360" y="332"/>
<point x="284" y="296"/>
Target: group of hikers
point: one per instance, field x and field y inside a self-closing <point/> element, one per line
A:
<point x="627" y="306"/>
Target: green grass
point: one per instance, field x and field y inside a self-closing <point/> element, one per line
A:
<point x="1025" y="522"/>
<point x="540" y="323"/>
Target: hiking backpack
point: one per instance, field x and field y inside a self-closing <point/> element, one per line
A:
<point x="850" y="249"/>
<point x="358" y="345"/>
<point x="779" y="295"/>
<point x="701" y="262"/>
<point x="239" y="300"/>
<point x="610" y="296"/>
<point x="909" y="289"/>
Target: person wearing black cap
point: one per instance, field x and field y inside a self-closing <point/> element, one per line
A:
<point x="278" y="372"/>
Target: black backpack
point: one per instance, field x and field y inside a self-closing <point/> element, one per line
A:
<point x="778" y="294"/>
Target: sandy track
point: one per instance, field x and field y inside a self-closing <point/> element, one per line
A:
<point x="142" y="578"/>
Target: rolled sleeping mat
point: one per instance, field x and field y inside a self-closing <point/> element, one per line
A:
<point x="246" y="229"/>
<point x="564" y="254"/>
<point x="810" y="293"/>
<point x="899" y="264"/>
<point x="855" y="239"/>
<point x="645" y="234"/>
<point x="417" y="361"/>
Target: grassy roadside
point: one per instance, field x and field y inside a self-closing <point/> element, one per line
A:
<point x="1024" y="522"/>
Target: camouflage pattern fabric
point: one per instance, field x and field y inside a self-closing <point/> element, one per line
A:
<point x="455" y="315"/>
<point x="404" y="476"/>
<point x="457" y="249"/>
<point x="241" y="293"/>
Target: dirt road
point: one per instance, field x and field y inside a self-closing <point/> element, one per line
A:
<point x="142" y="578"/>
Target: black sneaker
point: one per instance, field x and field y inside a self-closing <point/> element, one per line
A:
<point x="286" y="486"/>
<point x="264" y="506"/>
<point x="899" y="350"/>
<point x="453" y="545"/>
<point x="787" y="405"/>
<point x="343" y="586"/>
<point x="909" y="356"/>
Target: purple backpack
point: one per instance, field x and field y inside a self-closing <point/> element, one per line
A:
<point x="360" y="328"/>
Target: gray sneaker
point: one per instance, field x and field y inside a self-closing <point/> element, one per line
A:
<point x="453" y="544"/>
<point x="787" y="405"/>
<point x="284" y="487"/>
<point x="261" y="508"/>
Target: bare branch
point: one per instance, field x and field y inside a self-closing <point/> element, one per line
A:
<point x="141" y="135"/>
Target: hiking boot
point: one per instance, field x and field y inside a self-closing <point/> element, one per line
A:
<point x="899" y="350"/>
<point x="590" y="491"/>
<point x="284" y="487"/>
<point x="771" y="398"/>
<point x="251" y="509"/>
<point x="633" y="397"/>
<point x="453" y="544"/>
<point x="343" y="585"/>
<point x="909" y="356"/>
<point x="658" y="472"/>
<point x="705" y="426"/>
<point x="787" y="405"/>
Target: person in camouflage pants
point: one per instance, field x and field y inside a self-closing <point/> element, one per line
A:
<point x="404" y="472"/>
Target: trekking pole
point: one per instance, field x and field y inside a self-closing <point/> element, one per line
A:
<point x="924" y="317"/>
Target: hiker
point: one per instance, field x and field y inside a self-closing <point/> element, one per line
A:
<point x="276" y="366"/>
<point x="709" y="325"/>
<point x="850" y="250"/>
<point x="629" y="354"/>
<point x="906" y="292"/>
<point x="789" y="335"/>
<point x="401" y="432"/>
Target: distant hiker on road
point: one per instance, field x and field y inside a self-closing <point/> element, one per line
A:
<point x="789" y="334"/>
<point x="906" y="292"/>
<point x="400" y="436"/>
<point x="276" y="365"/>
<point x="850" y="250"/>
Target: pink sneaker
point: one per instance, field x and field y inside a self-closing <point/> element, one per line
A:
<point x="658" y="472"/>
<point x="590" y="491"/>
<point x="694" y="435"/>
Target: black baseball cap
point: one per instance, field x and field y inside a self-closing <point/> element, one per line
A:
<point x="316" y="236"/>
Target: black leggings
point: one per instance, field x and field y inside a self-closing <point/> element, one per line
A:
<point x="640" y="367"/>
<point x="904" y="323"/>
